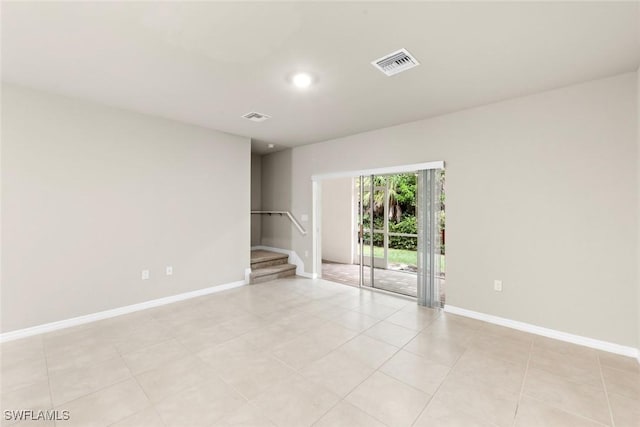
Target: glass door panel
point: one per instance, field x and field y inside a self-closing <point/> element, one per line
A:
<point x="387" y="239"/>
<point x="363" y="251"/>
<point x="365" y="268"/>
<point x="380" y="210"/>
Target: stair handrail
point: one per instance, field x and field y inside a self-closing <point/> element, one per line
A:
<point x="287" y="213"/>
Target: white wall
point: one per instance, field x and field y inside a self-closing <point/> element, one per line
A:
<point x="256" y="199"/>
<point x="541" y="193"/>
<point x="92" y="195"/>
<point x="337" y="220"/>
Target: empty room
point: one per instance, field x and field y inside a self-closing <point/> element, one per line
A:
<point x="295" y="214"/>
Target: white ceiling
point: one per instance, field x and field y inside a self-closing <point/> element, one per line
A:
<point x="209" y="63"/>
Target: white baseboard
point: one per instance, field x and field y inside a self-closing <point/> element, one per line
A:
<point x="293" y="259"/>
<point x="550" y="333"/>
<point x="67" y="323"/>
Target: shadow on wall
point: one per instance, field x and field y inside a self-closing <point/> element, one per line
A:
<point x="256" y="198"/>
<point x="338" y="233"/>
<point x="276" y="195"/>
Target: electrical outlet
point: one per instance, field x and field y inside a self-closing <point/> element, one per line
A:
<point x="304" y="218"/>
<point x="497" y="285"/>
<point x="306" y="254"/>
<point x="169" y="270"/>
<point x="145" y="274"/>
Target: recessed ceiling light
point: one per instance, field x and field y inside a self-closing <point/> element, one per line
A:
<point x="270" y="145"/>
<point x="302" y="80"/>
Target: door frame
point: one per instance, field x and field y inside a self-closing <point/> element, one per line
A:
<point x="316" y="202"/>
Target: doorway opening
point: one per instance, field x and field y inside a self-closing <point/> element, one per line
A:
<point x="370" y="232"/>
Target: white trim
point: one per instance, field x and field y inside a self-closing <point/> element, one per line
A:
<point x="293" y="257"/>
<point x="545" y="332"/>
<point x="247" y="276"/>
<point x="380" y="171"/>
<point x="75" y="321"/>
<point x="308" y="275"/>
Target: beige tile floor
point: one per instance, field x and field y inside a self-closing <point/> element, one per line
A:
<point x="296" y="352"/>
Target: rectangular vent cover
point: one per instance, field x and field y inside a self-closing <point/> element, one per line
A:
<point x="396" y="62"/>
<point x="256" y="117"/>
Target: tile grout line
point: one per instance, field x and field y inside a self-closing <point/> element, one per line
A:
<point x="96" y="391"/>
<point x="440" y="385"/>
<point x="140" y="411"/>
<point x="427" y="326"/>
<point x="193" y="354"/>
<point x="469" y="340"/>
<point x="343" y="398"/>
<point x="86" y="394"/>
<point x="132" y="376"/>
<point x="358" y="333"/>
<point x="153" y="406"/>
<point x="46" y="364"/>
<point x="295" y="370"/>
<point x="524" y="380"/>
<point x="561" y="408"/>
<point x="606" y="391"/>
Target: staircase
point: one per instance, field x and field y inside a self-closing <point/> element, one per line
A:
<point x="266" y="266"/>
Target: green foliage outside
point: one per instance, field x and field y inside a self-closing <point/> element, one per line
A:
<point x="402" y="210"/>
<point x="395" y="256"/>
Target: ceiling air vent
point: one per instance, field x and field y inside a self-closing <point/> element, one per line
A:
<point x="395" y="62"/>
<point x="256" y="117"/>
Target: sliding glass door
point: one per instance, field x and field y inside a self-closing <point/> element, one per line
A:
<point x="388" y="235"/>
<point x="398" y="233"/>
